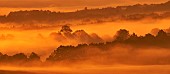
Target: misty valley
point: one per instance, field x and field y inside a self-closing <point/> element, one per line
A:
<point x="131" y="39"/>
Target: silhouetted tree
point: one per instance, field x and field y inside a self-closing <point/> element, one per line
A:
<point x="34" y="57"/>
<point x="5" y="58"/>
<point x="133" y="38"/>
<point x="149" y="36"/>
<point x="19" y="57"/>
<point x="66" y="29"/>
<point x="122" y="35"/>
<point x="162" y="35"/>
<point x="132" y="12"/>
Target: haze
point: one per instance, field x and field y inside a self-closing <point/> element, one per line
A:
<point x="84" y="36"/>
<point x="61" y="3"/>
<point x="70" y="5"/>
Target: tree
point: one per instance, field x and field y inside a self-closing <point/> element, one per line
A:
<point x="66" y="32"/>
<point x="149" y="36"/>
<point x="19" y="57"/>
<point x="122" y="35"/>
<point x="66" y="29"/>
<point x="132" y="38"/>
<point x="162" y="35"/>
<point x="34" y="57"/>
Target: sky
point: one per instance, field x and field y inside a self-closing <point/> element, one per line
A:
<point x="70" y="3"/>
<point x="7" y="6"/>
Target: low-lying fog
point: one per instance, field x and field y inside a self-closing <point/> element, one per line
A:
<point x="119" y="69"/>
<point x="39" y="41"/>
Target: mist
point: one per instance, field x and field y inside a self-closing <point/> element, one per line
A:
<point x="72" y="3"/>
<point x="40" y="41"/>
<point x="84" y="37"/>
<point x="116" y="59"/>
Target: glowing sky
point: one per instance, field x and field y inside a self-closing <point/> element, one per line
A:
<point x="71" y="3"/>
<point x="7" y="6"/>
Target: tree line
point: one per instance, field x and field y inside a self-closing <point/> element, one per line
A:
<point x="84" y="51"/>
<point x="132" y="12"/>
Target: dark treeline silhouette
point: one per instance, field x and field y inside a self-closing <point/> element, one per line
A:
<point x="142" y="16"/>
<point x="19" y="59"/>
<point x="90" y="52"/>
<point x="117" y="51"/>
<point x="133" y="12"/>
<point x="80" y="36"/>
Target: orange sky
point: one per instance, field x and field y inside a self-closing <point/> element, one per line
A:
<point x="70" y="3"/>
<point x="7" y="6"/>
